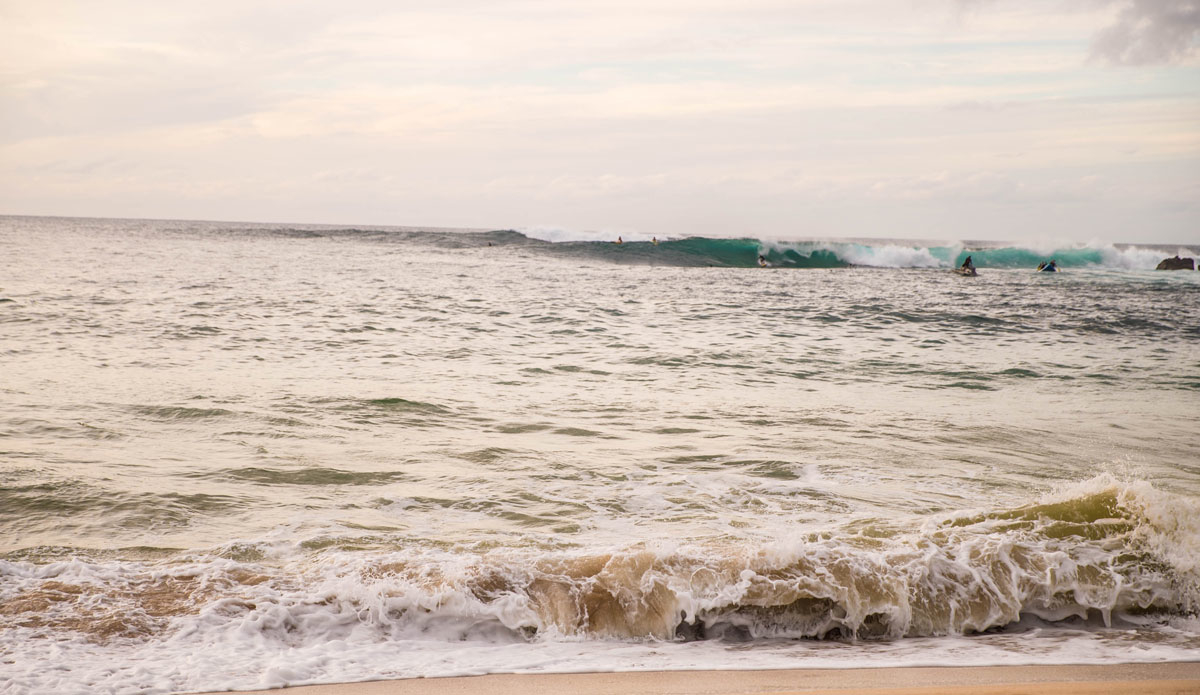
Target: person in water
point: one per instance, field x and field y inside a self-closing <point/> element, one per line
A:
<point x="762" y="261"/>
<point x="967" y="264"/>
<point x="619" y="241"/>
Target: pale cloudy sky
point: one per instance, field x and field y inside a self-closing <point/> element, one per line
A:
<point x="942" y="119"/>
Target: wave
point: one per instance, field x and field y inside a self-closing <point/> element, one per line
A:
<point x="745" y="252"/>
<point x="1103" y="553"/>
<point x="1107" y="552"/>
<point x="259" y="615"/>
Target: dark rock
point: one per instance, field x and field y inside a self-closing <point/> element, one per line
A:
<point x="1177" y="263"/>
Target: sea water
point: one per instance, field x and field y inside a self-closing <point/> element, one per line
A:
<point x="239" y="456"/>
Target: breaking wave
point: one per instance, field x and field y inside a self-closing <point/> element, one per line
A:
<point x="745" y="253"/>
<point x="1101" y="554"/>
<point x="1105" y="552"/>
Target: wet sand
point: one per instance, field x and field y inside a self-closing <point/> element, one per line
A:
<point x="1140" y="679"/>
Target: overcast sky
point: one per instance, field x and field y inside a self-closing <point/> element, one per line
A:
<point x="936" y="119"/>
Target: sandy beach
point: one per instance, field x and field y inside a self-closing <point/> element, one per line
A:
<point x="1145" y="679"/>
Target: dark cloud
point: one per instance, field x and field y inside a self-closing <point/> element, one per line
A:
<point x="1149" y="32"/>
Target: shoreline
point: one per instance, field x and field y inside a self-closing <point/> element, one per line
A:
<point x="1168" y="678"/>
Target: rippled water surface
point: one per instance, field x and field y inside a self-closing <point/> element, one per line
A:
<point x="455" y="452"/>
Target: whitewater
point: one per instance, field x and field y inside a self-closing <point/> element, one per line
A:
<point x="237" y="456"/>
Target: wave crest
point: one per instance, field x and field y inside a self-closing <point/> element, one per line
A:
<point x="1101" y="552"/>
<point x="746" y="252"/>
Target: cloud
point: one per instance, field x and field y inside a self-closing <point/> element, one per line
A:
<point x="673" y="116"/>
<point x="1150" y="32"/>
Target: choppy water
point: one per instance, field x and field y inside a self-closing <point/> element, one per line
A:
<point x="236" y="456"/>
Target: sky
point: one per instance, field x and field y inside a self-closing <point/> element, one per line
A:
<point x="1034" y="120"/>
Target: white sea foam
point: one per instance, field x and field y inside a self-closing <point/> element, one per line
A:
<point x="213" y="623"/>
<point x="885" y="255"/>
<point x="1135" y="258"/>
<point x="285" y="640"/>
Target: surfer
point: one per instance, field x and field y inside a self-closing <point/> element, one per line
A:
<point x="619" y="241"/>
<point x="654" y="240"/>
<point x="762" y="261"/>
<point x="1051" y="267"/>
<point x="967" y="268"/>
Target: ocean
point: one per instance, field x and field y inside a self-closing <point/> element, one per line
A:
<point x="239" y="456"/>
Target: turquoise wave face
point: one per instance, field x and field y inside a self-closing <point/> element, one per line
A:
<point x="1011" y="257"/>
<point x="749" y="253"/>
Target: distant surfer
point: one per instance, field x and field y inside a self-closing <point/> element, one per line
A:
<point x="619" y="241"/>
<point x="763" y="262"/>
<point x="654" y="240"/>
<point x="1051" y="267"/>
<point x="967" y="268"/>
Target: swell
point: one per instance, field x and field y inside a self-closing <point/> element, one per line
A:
<point x="79" y="507"/>
<point x="696" y="251"/>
